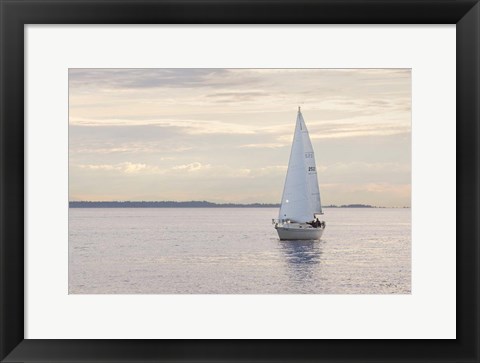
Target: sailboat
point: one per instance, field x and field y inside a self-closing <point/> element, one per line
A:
<point x="300" y="206"/>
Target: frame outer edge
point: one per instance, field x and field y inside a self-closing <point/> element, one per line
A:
<point x="468" y="180"/>
<point x="11" y="171"/>
<point x="11" y="179"/>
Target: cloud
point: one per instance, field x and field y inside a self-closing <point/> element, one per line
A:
<point x="186" y="126"/>
<point x="126" y="168"/>
<point x="143" y="78"/>
<point x="362" y="172"/>
<point x="100" y="167"/>
<point x="349" y="130"/>
<point x="265" y="145"/>
<point x="192" y="167"/>
<point x="377" y="194"/>
<point x="238" y="94"/>
<point x="195" y="168"/>
<point x="283" y="132"/>
<point x="274" y="170"/>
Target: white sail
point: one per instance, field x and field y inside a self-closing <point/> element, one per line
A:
<point x="301" y="195"/>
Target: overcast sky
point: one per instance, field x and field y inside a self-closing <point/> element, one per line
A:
<point x="224" y="135"/>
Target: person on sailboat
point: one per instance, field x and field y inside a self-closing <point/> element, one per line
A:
<point x="315" y="223"/>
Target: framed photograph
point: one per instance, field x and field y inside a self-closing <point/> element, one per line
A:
<point x="204" y="149"/>
<point x="240" y="181"/>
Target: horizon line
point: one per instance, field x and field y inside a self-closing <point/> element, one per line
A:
<point x="204" y="202"/>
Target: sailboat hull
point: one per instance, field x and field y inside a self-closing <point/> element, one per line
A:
<point x="298" y="232"/>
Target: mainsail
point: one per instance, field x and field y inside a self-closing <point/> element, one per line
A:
<point x="301" y="195"/>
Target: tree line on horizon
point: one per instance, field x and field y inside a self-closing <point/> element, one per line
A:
<point x="189" y="204"/>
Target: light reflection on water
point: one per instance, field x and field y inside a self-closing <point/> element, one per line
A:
<point x="236" y="251"/>
<point x="301" y="258"/>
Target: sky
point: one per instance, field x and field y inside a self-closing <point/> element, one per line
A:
<point x="224" y="135"/>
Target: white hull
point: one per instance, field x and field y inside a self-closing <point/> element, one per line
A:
<point x="298" y="232"/>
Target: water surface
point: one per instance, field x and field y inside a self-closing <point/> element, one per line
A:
<point x="236" y="251"/>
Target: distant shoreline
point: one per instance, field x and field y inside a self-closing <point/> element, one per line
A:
<point x="193" y="204"/>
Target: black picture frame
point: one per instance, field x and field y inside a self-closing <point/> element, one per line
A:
<point x="15" y="14"/>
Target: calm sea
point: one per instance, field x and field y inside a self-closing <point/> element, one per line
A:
<point x="236" y="251"/>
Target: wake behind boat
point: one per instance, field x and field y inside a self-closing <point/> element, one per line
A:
<point x="301" y="206"/>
